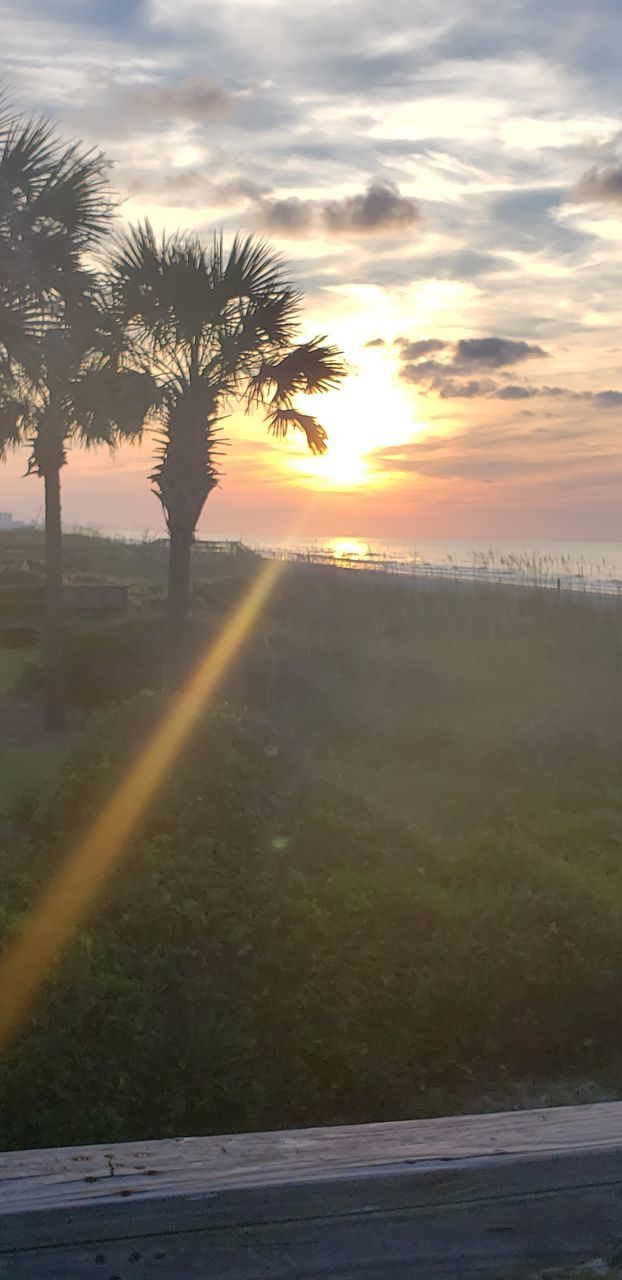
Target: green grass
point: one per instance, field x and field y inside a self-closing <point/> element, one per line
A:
<point x="384" y="881"/>
<point x="25" y="772"/>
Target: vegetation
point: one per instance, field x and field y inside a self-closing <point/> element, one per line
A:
<point x="165" y="330"/>
<point x="383" y="881"/>
<point x="57" y="341"/>
<point x="384" y="877"/>
<point x="211" y="327"/>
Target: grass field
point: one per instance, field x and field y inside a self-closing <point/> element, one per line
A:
<point x="406" y="810"/>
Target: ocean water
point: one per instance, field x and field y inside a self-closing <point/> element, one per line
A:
<point x="584" y="566"/>
<point x="574" y="565"/>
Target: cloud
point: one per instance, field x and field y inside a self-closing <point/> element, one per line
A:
<point x="289" y="217"/>
<point x="380" y="210"/>
<point x="376" y="342"/>
<point x="451" y="377"/>
<point x="608" y="399"/>
<point x="501" y="451"/>
<point x="514" y="392"/>
<point x="598" y="185"/>
<point x="188" y="188"/>
<point x="195" y="98"/>
<point x="494" y="353"/>
<point x="414" y="350"/>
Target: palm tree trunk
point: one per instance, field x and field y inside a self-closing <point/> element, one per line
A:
<point x="54" y="676"/>
<point x="178" y="603"/>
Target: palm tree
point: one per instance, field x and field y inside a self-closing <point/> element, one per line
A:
<point x="54" y="208"/>
<point x="74" y="387"/>
<point x="212" y="327"/>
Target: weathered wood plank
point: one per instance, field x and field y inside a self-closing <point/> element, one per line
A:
<point x="74" y="1175"/>
<point x="467" y="1196"/>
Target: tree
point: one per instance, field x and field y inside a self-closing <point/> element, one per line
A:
<point x="212" y="327"/>
<point x="54" y="209"/>
<point x="54" y="206"/>
<point x="74" y="387"/>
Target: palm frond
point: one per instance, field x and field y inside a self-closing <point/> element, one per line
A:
<point x="54" y="203"/>
<point x="307" y="369"/>
<point x="109" y="403"/>
<point x="253" y="269"/>
<point x="281" y="421"/>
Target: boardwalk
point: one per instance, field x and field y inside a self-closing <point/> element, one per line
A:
<point x="465" y="1197"/>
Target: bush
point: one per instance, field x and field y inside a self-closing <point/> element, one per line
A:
<point x="105" y="664"/>
<point x="112" y="661"/>
<point x="272" y="955"/>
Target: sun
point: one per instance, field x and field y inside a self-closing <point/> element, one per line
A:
<point x="369" y="412"/>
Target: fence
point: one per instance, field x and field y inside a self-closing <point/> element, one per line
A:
<point x="489" y="573"/>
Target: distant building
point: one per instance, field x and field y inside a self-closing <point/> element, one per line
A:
<point x="6" y="520"/>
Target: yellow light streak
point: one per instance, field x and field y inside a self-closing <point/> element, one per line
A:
<point x="52" y="923"/>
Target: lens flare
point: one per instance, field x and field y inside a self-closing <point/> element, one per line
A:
<point x="52" y="923"/>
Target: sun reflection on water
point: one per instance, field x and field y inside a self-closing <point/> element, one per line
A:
<point x="347" y="549"/>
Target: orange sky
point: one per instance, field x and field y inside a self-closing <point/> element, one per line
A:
<point x="446" y="182"/>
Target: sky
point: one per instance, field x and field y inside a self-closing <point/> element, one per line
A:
<point x="445" y="181"/>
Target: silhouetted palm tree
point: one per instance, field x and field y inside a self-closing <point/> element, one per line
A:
<point x="75" y="387"/>
<point x="212" y="327"/>
<point x="54" y="208"/>
<point x="54" y="205"/>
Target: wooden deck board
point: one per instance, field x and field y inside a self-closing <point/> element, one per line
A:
<point x="469" y="1196"/>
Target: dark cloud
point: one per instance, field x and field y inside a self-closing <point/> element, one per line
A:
<point x="465" y="389"/>
<point x="524" y="392"/>
<point x="451" y="377"/>
<point x="376" y="342"/>
<point x="599" y="185"/>
<point x="608" y="399"/>
<point x="195" y="98"/>
<point x="289" y="217"/>
<point x="414" y="350"/>
<point x="514" y="392"/>
<point x="425" y="373"/>
<point x="380" y="210"/>
<point x="494" y="353"/>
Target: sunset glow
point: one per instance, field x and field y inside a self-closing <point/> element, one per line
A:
<point x="447" y="179"/>
<point x="370" y="411"/>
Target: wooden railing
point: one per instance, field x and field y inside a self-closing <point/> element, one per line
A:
<point x="475" y="1196"/>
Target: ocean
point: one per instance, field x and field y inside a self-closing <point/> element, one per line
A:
<point x="592" y="566"/>
<point x="579" y="566"/>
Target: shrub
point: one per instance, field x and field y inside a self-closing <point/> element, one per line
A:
<point x="269" y="954"/>
<point x="112" y="661"/>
